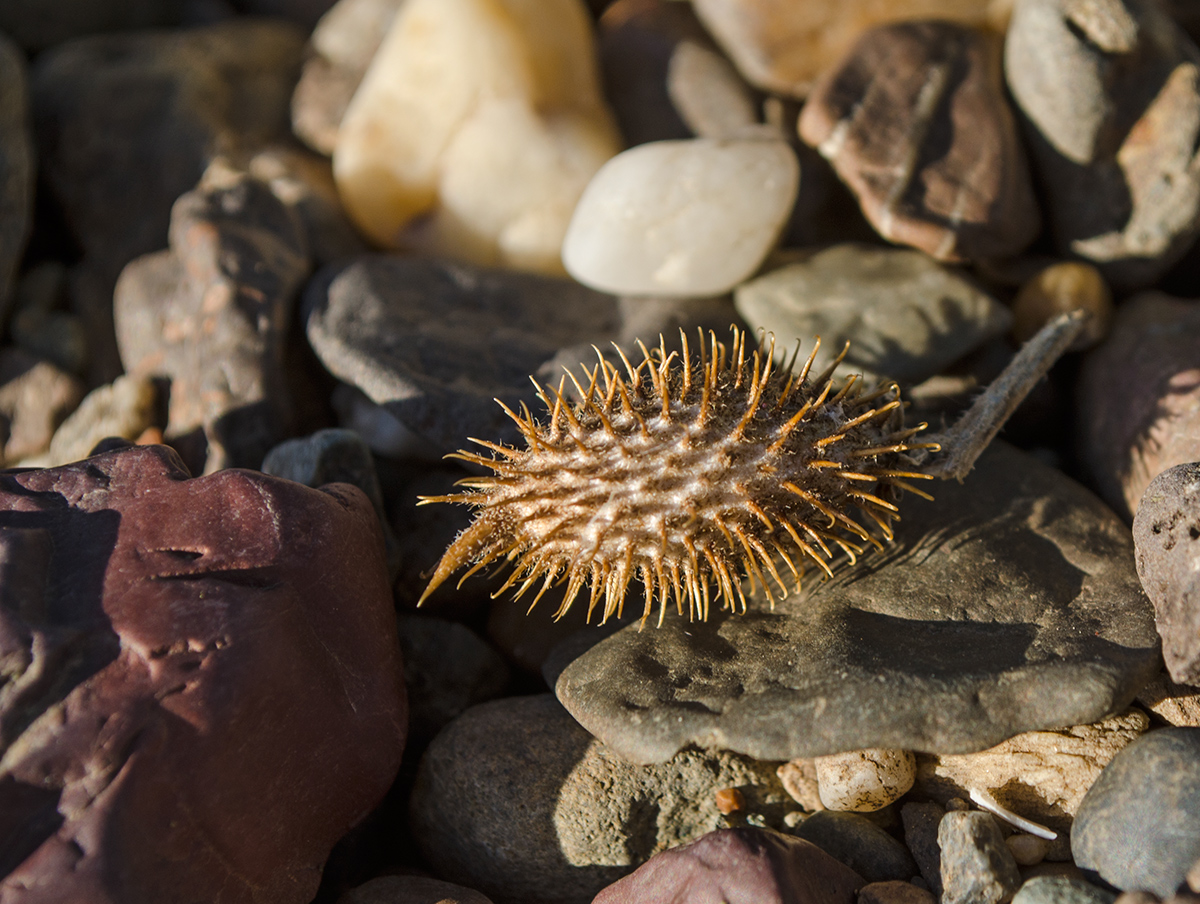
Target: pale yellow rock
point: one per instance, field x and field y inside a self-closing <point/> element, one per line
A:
<point x="1040" y="775"/>
<point x="799" y="778"/>
<point x="783" y="46"/>
<point x="864" y="780"/>
<point x="475" y="130"/>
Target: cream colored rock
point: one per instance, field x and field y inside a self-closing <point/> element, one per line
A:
<point x="1040" y="775"/>
<point x="799" y="778"/>
<point x="864" y="780"/>
<point x="475" y="130"/>
<point x="782" y="46"/>
<point x="682" y="218"/>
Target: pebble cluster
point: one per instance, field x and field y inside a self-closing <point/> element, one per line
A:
<point x="265" y="263"/>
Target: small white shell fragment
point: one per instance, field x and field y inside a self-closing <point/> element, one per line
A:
<point x="681" y="218"/>
<point x="864" y="780"/>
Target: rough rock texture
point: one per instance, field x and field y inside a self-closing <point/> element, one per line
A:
<point x="171" y="646"/>
<point x="16" y="163"/>
<point x="1041" y="775"/>
<point x="905" y="316"/>
<point x="894" y="892"/>
<point x="223" y="293"/>
<point x="1139" y="398"/>
<point x="1139" y="826"/>
<point x="916" y="123"/>
<point x="1009" y="588"/>
<point x="515" y="799"/>
<point x="738" y="866"/>
<point x="35" y="398"/>
<point x="1110" y="92"/>
<point x="1061" y="890"/>
<point x="1175" y="704"/>
<point x="411" y="890"/>
<point x="123" y="409"/>
<point x="783" y="47"/>
<point x="976" y="865"/>
<point x="339" y="51"/>
<point x="435" y="343"/>
<point x="1166" y="535"/>
<point x="854" y="840"/>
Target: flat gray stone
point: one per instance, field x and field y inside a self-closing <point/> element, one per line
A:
<point x="1009" y="604"/>
<point x="436" y="343"/>
<point x="906" y="316"/>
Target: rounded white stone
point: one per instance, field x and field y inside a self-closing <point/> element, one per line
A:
<point x="681" y="218"/>
<point x="864" y="780"/>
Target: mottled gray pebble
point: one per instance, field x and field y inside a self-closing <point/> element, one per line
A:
<point x="921" y="820"/>
<point x="1061" y="890"/>
<point x="976" y="865"/>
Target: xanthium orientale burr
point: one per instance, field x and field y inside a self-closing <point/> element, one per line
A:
<point x="688" y="474"/>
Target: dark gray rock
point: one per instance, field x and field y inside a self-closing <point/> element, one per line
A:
<point x="738" y="866"/>
<point x="854" y="840"/>
<point x="1061" y="890"/>
<point x="16" y="164"/>
<point x="448" y="668"/>
<point x="515" y="799"/>
<point x="916" y="122"/>
<point x="38" y="24"/>
<point x="977" y="867"/>
<point x="436" y="343"/>
<point x="921" y="820"/>
<point x="1110" y="97"/>
<point x="906" y="316"/>
<point x="1008" y="604"/>
<point x="1166" y="535"/>
<point x="223" y="293"/>
<point x="1139" y="826"/>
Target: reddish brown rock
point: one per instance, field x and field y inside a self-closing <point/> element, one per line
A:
<point x="738" y="866"/>
<point x="916" y="123"/>
<point x="1139" y="398"/>
<point x="201" y="687"/>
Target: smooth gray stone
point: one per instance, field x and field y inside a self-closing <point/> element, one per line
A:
<point x="905" y="315"/>
<point x="854" y="840"/>
<point x="921" y="819"/>
<point x="1061" y="890"/>
<point x="1008" y="604"/>
<point x="1139" y="825"/>
<point x="977" y="867"/>
<point x="436" y="343"/>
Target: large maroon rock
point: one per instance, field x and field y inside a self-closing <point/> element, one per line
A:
<point x="738" y="866"/>
<point x="200" y="683"/>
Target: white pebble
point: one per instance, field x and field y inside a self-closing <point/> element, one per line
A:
<point x="681" y="218"/>
<point x="865" y="780"/>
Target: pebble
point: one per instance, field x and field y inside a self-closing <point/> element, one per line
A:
<point x="1166" y="535"/>
<point x="921" y="820"/>
<point x="1059" y="289"/>
<point x="1139" y="825"/>
<point x="487" y="167"/>
<point x="864" y="780"/>
<point x="223" y="292"/>
<point x="1027" y="850"/>
<point x="125" y="408"/>
<point x="1040" y="775"/>
<point x="176" y="641"/>
<point x="976" y="865"/>
<point x="736" y="865"/>
<point x="799" y="778"/>
<point x="448" y="668"/>
<point x="1138" y="410"/>
<point x="334" y="456"/>
<point x="681" y="218"/>
<point x="35" y="398"/>
<point x="1115" y="158"/>
<point x="782" y="48"/>
<point x="16" y="164"/>
<point x="709" y="94"/>
<point x="894" y="892"/>
<point x="1061" y="890"/>
<point x="915" y="121"/>
<point x="341" y="48"/>
<point x="854" y="840"/>
<point x="515" y="799"/>
<point x="878" y="657"/>
<point x="906" y="316"/>
<point x="412" y="890"/>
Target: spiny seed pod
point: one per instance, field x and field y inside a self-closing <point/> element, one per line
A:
<point x="686" y="475"/>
